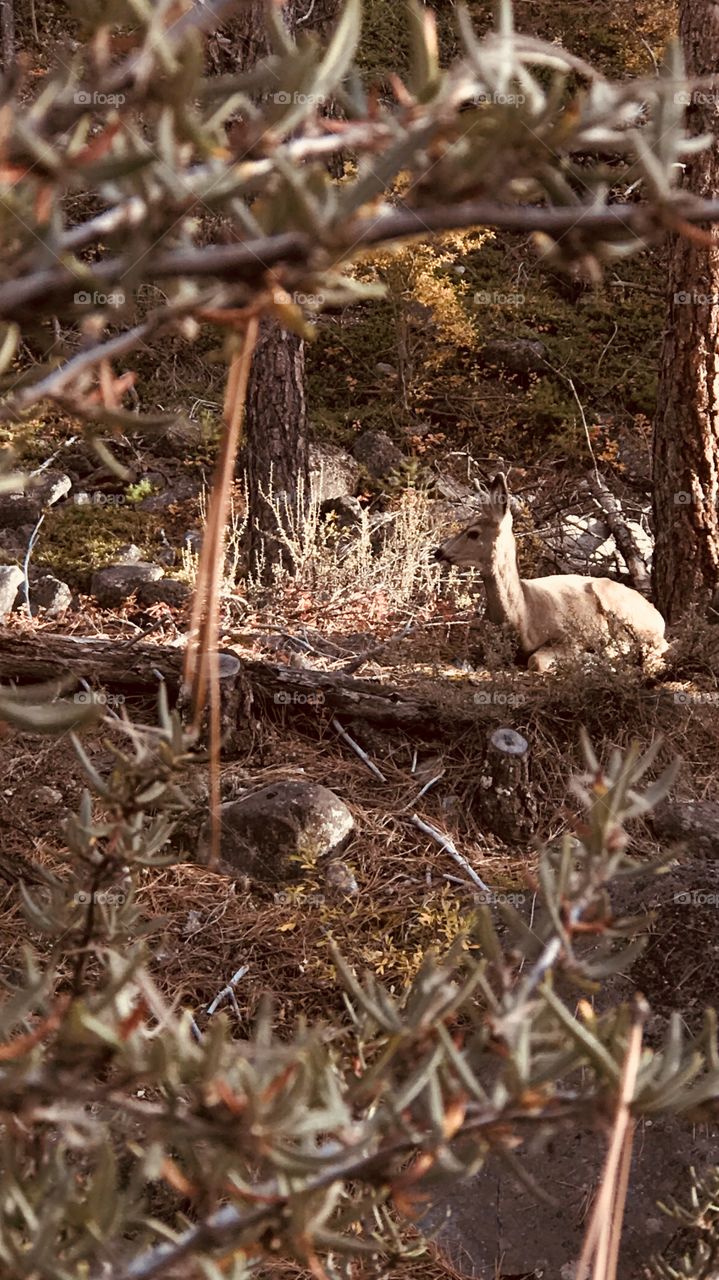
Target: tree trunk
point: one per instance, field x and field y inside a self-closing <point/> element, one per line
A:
<point x="7" y="34"/>
<point x="686" y="435"/>
<point x="275" y="452"/>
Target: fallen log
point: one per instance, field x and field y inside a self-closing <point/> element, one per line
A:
<point x="134" y="667"/>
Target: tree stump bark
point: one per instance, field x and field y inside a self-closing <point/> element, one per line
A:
<point x="505" y="800"/>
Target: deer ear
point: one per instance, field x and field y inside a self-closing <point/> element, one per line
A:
<point x="498" y="490"/>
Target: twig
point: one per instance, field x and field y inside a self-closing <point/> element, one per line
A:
<point x="228" y="990"/>
<point x="26" y="562"/>
<point x="449" y="847"/>
<point x="358" y="750"/>
<point x="250" y="260"/>
<point x="604" y="1229"/>
<point x="622" y="534"/>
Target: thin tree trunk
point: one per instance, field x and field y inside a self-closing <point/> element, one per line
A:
<point x="7" y="34"/>
<point x="686" y="436"/>
<point x="276" y="442"/>
<point x="275" y="453"/>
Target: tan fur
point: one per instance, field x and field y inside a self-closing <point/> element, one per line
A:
<point x="559" y="614"/>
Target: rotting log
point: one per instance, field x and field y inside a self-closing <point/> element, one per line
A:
<point x="137" y="668"/>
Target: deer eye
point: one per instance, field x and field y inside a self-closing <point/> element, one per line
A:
<point x="473" y="534"/>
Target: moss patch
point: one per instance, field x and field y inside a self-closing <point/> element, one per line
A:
<point x="76" y="540"/>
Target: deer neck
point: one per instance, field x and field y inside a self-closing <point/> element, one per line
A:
<point x="505" y="597"/>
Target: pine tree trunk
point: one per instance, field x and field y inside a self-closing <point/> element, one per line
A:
<point x="276" y="442"/>
<point x="686" y="437"/>
<point x="275" y="452"/>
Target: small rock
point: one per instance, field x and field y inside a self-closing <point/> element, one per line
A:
<point x="340" y="880"/>
<point x="346" y="511"/>
<point x="17" y="509"/>
<point x="47" y="797"/>
<point x="182" y="491"/>
<point x="129" y="554"/>
<point x="179" y="440"/>
<point x="333" y="473"/>
<point x="51" y="594"/>
<point x="50" y="486"/>
<point x="114" y="585"/>
<point x="377" y="454"/>
<point x="11" y="575"/>
<point x="271" y="832"/>
<point x="517" y="355"/>
<point x="166" y="591"/>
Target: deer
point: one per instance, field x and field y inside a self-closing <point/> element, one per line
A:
<point x="558" y="615"/>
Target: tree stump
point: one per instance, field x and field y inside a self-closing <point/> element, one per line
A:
<point x="505" y="799"/>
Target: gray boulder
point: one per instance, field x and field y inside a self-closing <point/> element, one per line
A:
<point x="164" y="591"/>
<point x="51" y="594"/>
<point x="11" y="575"/>
<point x="50" y="486"/>
<point x="377" y="454"/>
<point x="333" y="473"/>
<point x="269" y="833"/>
<point x="114" y="585"/>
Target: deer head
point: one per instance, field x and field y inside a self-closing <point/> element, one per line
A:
<point x="477" y="543"/>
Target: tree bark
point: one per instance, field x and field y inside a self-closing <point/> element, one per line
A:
<point x="275" y="454"/>
<point x="7" y="34"/>
<point x="274" y="689"/>
<point x="686" y="435"/>
<point x="275" y="449"/>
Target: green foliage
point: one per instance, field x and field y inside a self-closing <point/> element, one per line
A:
<point x="79" y="539"/>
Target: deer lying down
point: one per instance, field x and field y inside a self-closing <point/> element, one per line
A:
<point x="557" y="615"/>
